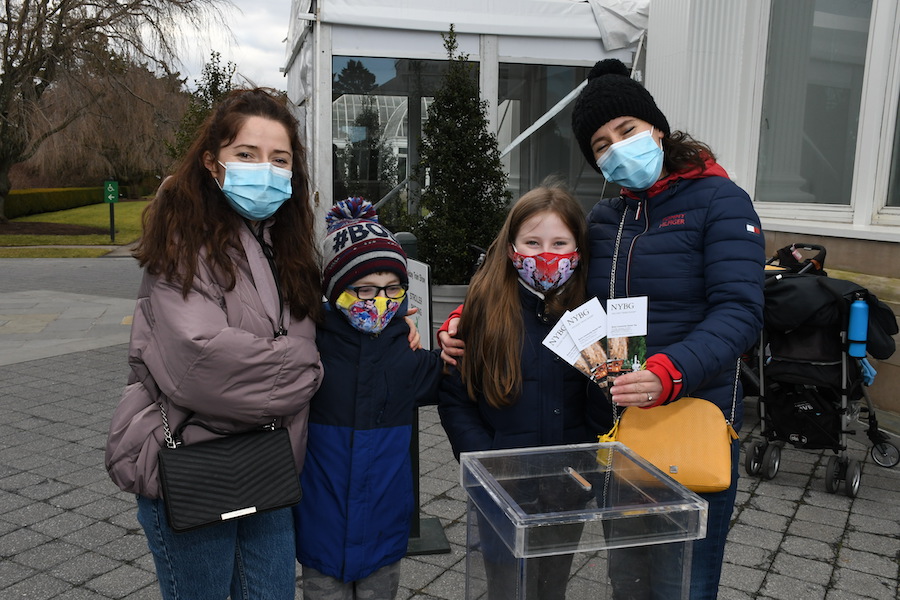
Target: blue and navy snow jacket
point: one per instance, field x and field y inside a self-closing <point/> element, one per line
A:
<point x="550" y="409"/>
<point x="357" y="503"/>
<point x="696" y="250"/>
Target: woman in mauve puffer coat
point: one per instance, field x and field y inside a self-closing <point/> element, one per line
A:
<point x="223" y="335"/>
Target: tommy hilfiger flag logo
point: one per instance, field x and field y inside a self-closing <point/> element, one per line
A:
<point x="751" y="228"/>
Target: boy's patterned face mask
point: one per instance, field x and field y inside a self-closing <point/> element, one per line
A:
<point x="545" y="271"/>
<point x="368" y="316"/>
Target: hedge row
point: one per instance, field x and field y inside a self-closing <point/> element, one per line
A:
<point x="20" y="203"/>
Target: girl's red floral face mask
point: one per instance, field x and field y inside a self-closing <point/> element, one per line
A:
<point x="545" y="271"/>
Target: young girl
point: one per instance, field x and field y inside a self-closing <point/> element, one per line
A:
<point x="508" y="390"/>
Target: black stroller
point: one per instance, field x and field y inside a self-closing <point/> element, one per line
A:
<point x="790" y="259"/>
<point x="810" y="389"/>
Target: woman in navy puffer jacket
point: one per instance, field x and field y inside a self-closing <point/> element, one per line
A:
<point x="688" y="238"/>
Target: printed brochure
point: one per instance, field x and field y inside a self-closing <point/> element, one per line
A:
<point x="603" y="344"/>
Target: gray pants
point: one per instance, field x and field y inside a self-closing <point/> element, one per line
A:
<point x="380" y="585"/>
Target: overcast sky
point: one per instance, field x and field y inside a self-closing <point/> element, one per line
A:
<point x="259" y="28"/>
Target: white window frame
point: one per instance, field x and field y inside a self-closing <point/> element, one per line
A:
<point x="866" y="216"/>
<point x="885" y="85"/>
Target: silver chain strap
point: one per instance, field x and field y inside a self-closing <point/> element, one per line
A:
<point x="615" y="258"/>
<point x="612" y="284"/>
<point x="170" y="441"/>
<point x="737" y="378"/>
<point x="612" y="294"/>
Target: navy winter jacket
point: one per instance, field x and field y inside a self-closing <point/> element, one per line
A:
<point x="549" y="411"/>
<point x="357" y="503"/>
<point x="697" y="251"/>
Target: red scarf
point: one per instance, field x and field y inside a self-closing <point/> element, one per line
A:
<point x="710" y="169"/>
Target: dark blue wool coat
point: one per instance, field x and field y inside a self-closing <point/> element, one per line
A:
<point x="549" y="411"/>
<point x="357" y="503"/>
<point x="697" y="251"/>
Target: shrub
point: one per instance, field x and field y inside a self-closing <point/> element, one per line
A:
<point x="464" y="192"/>
<point x="20" y="203"/>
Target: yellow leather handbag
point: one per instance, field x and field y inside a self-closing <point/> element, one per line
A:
<point x="688" y="439"/>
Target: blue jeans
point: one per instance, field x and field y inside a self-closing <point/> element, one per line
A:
<point x="709" y="553"/>
<point x="249" y="558"/>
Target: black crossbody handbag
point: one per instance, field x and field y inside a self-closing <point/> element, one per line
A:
<point x="226" y="478"/>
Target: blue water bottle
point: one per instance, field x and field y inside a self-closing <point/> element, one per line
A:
<point x="856" y="330"/>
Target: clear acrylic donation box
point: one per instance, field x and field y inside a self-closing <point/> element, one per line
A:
<point x="586" y="521"/>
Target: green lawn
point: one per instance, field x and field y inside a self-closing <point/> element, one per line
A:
<point x="127" y="222"/>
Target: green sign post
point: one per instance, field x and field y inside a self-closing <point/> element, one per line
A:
<point x="111" y="196"/>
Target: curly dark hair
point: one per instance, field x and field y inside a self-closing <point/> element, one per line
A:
<point x="682" y="152"/>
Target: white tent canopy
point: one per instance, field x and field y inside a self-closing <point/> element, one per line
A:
<point x="618" y="22"/>
<point x="549" y="31"/>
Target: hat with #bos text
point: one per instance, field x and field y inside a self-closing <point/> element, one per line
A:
<point x="357" y="245"/>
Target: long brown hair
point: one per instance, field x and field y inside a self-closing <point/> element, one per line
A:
<point x="190" y="214"/>
<point x="491" y="324"/>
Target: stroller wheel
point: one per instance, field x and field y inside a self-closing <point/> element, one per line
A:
<point x="885" y="454"/>
<point x="771" y="460"/>
<point x="832" y="474"/>
<point x="851" y="482"/>
<point x="753" y="460"/>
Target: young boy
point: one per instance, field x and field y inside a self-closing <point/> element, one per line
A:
<point x="354" y="520"/>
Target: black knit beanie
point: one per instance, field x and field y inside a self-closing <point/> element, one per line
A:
<point x="611" y="93"/>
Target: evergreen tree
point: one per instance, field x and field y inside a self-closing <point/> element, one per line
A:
<point x="354" y="78"/>
<point x="215" y="81"/>
<point x="464" y="194"/>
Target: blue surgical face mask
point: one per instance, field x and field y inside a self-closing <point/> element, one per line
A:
<point x="635" y="163"/>
<point x="256" y="190"/>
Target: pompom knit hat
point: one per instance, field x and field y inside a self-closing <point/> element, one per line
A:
<point x="611" y="93"/>
<point x="356" y="245"/>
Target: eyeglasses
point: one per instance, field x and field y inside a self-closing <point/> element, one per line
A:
<point x="368" y="292"/>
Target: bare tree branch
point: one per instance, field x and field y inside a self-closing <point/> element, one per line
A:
<point x="44" y="43"/>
